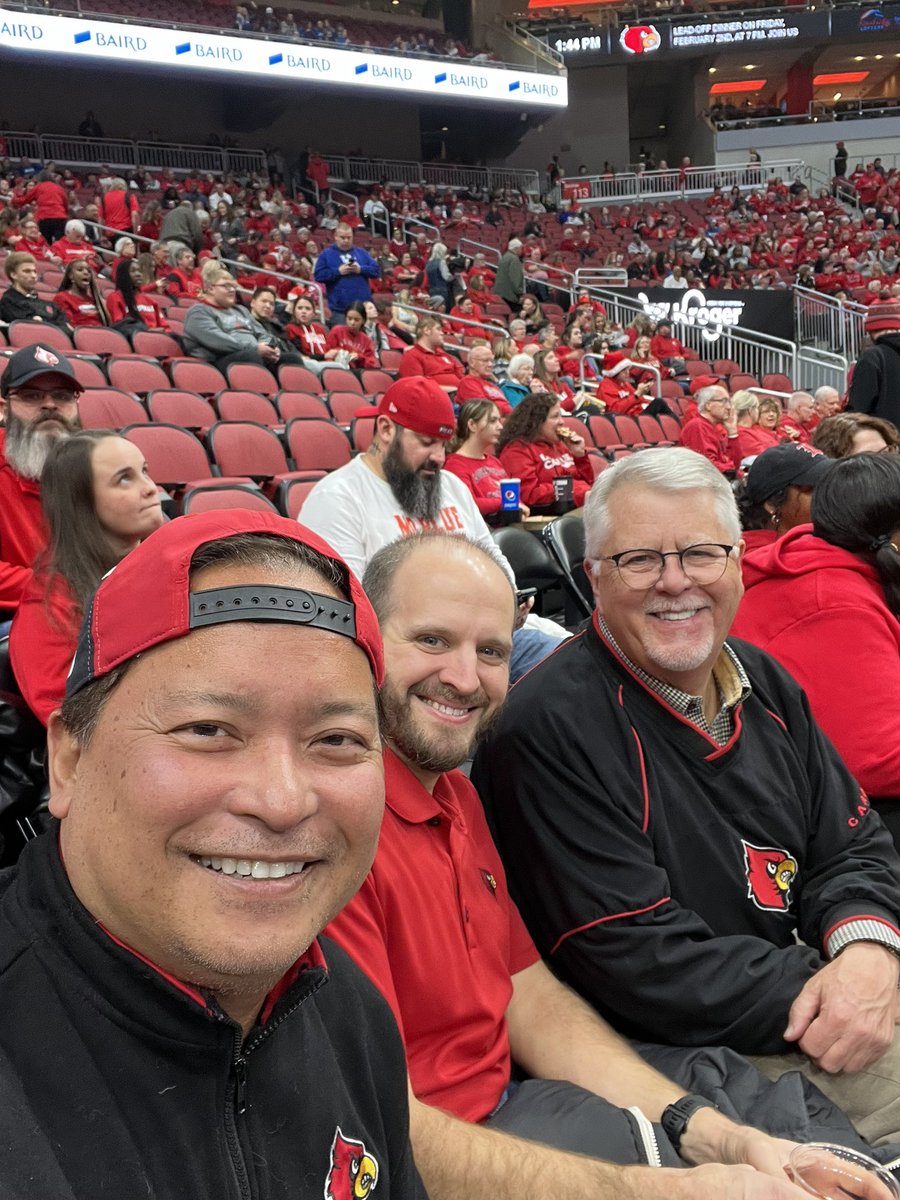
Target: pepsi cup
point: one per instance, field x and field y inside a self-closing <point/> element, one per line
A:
<point x="509" y="495"/>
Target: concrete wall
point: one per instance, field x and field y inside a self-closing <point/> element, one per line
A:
<point x="593" y="129"/>
<point x="814" y="144"/>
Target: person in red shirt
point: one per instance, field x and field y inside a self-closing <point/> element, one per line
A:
<point x="429" y="358"/>
<point x="753" y="437"/>
<point x="800" y="421"/>
<point x="51" y="205"/>
<point x="75" y="247"/>
<point x="466" y="308"/>
<point x="79" y="297"/>
<point x="616" y="390"/>
<point x="472" y="458"/>
<point x="183" y="280"/>
<point x="714" y="433"/>
<point x="479" y="384"/>
<point x="669" y="350"/>
<point x="308" y="337"/>
<point x="129" y="302"/>
<point x="352" y="347"/>
<point x="32" y="241"/>
<point x="119" y="208"/>
<point x="537" y="448"/>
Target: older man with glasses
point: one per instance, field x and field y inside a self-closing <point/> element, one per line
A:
<point x="38" y="404"/>
<point x="685" y="845"/>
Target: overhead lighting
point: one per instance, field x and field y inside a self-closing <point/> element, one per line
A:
<point x="712" y="70"/>
<point x="837" y="95"/>
<point x="840" y="77"/>
<point x="445" y="129"/>
<point x="739" y="85"/>
<point x="858" y="58"/>
<point x="750" y="67"/>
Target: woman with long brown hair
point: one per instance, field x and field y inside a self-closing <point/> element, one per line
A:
<point x="536" y="447"/>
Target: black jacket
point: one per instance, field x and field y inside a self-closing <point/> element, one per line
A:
<point x="875" y="384"/>
<point x="629" y="842"/>
<point x="15" y="306"/>
<point x="116" y="1082"/>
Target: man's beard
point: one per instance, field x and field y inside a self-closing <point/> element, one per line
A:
<point x="439" y="751"/>
<point x="28" y="443"/>
<point x="418" y="495"/>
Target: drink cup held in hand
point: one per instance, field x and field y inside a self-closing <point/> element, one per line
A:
<point x="837" y="1173"/>
<point x="509" y="495"/>
<point x="563" y="490"/>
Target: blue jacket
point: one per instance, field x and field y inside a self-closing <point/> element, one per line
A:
<point x="514" y="392"/>
<point x="342" y="290"/>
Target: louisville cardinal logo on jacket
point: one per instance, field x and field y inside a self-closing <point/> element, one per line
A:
<point x="354" y="1172"/>
<point x="770" y="873"/>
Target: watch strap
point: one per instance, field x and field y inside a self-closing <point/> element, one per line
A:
<point x="675" y="1118"/>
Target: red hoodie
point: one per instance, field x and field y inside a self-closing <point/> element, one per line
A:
<point x="820" y="611"/>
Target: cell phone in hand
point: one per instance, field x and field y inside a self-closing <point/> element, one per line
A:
<point x="524" y="594"/>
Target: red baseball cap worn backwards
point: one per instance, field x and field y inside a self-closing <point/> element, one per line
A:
<point x="417" y="404"/>
<point x="146" y="599"/>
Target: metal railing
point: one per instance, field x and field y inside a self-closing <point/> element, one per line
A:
<point x="396" y="172"/>
<point x="540" y="53"/>
<point x="825" y="324"/>
<point x="80" y="152"/>
<point x="589" y="277"/>
<point x="673" y="183"/>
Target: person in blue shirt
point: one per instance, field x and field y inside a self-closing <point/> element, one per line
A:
<point x="345" y="270"/>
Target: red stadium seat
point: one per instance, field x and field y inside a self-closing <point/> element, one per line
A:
<point x="338" y="379"/>
<point x="293" y="493"/>
<point x="726" y="366"/>
<point x="138" y="375"/>
<point x="175" y="458"/>
<point x="362" y="430"/>
<point x="93" y="339"/>
<point x="344" y="405"/>
<point x="110" y="408"/>
<point x="777" y="383"/>
<point x="194" y="375"/>
<point x="87" y="372"/>
<point x="172" y="407"/>
<point x="652" y="431"/>
<point x="255" y="451"/>
<point x="156" y="345"/>
<point x="604" y="433"/>
<point x="294" y="378"/>
<point x="375" y="383"/>
<point x="671" y="428"/>
<point x="26" y="333"/>
<point x="737" y="383"/>
<point x="301" y="404"/>
<point x="699" y="367"/>
<point x="390" y="359"/>
<point x="630" y="432"/>
<point x="249" y="377"/>
<point x="239" y="495"/>
<point x="234" y="405"/>
<point x="317" y="445"/>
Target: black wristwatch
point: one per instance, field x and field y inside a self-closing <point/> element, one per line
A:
<point x="675" y="1118"/>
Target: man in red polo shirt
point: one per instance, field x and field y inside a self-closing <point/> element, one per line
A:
<point x="38" y="404"/>
<point x="478" y="382"/>
<point x="429" y="358"/>
<point x="434" y="927"/>
<point x="713" y="432"/>
<point x="799" y="421"/>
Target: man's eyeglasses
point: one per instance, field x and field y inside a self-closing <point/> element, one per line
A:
<point x="226" y="287"/>
<point x="640" y="569"/>
<point x="37" y="396"/>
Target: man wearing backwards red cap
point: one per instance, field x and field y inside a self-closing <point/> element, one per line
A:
<point x="173" y="1027"/>
<point x="38" y="404"/>
<point x="398" y="487"/>
<point x="875" y="382"/>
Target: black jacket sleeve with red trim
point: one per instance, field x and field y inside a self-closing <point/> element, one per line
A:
<point x="626" y="858"/>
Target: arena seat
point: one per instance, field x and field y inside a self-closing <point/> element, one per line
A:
<point x="26" y="333"/>
<point x="604" y="433"/>
<point x="169" y="406"/>
<point x="726" y="366"/>
<point x="739" y="382"/>
<point x="239" y="405"/>
<point x="194" y="375"/>
<point x="531" y="561"/>
<point x="375" y="383"/>
<point x="565" y="539"/>
<point x="156" y="345"/>
<point x="391" y="359"/>
<point x="293" y="405"/>
<point x="251" y="378"/>
<point x="629" y="432"/>
<point x="777" y="383"/>
<point x="110" y="408"/>
<point x="652" y="431"/>
<point x="338" y="379"/>
<point x="251" y="450"/>
<point x="343" y="406"/>
<point x="293" y="492"/>
<point x="362" y="430"/>
<point x="176" y="458"/>
<point x="671" y="428"/>
<point x="87" y="371"/>
<point x="294" y="378"/>
<point x="317" y="445"/>
<point x="238" y="495"/>
<point x="138" y="375"/>
<point x="95" y="339"/>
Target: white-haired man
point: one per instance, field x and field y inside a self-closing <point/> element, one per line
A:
<point x="799" y="421"/>
<point x="714" y="431"/>
<point x="686" y="846"/>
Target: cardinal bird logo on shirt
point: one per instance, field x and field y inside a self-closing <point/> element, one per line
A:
<point x="354" y="1172"/>
<point x="770" y="873"/>
<point x="640" y="39"/>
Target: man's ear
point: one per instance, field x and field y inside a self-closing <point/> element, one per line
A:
<point x="63" y="757"/>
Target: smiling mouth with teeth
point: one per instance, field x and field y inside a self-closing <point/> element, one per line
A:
<point x="247" y="868"/>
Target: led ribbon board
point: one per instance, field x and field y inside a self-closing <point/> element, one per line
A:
<point x="361" y="70"/>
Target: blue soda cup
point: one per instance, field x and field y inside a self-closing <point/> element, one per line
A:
<point x="509" y="495"/>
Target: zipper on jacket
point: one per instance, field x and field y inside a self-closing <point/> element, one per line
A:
<point x="648" y="1137"/>
<point x="236" y="1105"/>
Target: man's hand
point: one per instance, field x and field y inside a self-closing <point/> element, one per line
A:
<point x="713" y="1182"/>
<point x="844" y="1016"/>
<point x="267" y="352"/>
<point x="711" y="1137"/>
